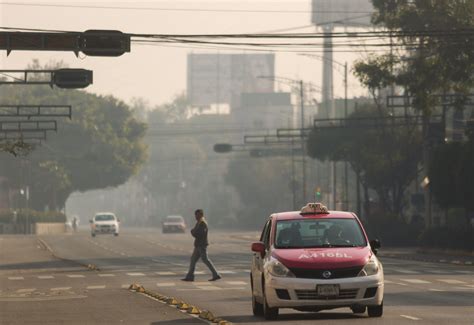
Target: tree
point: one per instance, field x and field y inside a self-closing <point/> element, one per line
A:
<point x="101" y="146"/>
<point x="451" y="174"/>
<point x="432" y="55"/>
<point x="385" y="157"/>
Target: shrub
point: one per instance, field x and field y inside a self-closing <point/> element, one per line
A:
<point x="448" y="238"/>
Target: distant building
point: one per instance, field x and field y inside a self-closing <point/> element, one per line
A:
<point x="222" y="78"/>
<point x="264" y="111"/>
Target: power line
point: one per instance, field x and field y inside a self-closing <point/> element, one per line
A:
<point x="185" y="9"/>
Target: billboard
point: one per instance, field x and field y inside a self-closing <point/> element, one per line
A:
<point x="222" y="78"/>
<point x="342" y="12"/>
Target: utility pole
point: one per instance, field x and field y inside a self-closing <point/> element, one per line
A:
<point x="346" y="181"/>
<point x="303" y="154"/>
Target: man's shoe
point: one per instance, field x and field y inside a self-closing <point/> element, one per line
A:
<point x="187" y="280"/>
<point x="216" y="278"/>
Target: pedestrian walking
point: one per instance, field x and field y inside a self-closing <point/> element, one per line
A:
<point x="199" y="232"/>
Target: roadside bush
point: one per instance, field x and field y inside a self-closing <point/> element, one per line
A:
<point x="448" y="238"/>
<point x="393" y="231"/>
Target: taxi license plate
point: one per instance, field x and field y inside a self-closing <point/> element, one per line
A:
<point x="328" y="290"/>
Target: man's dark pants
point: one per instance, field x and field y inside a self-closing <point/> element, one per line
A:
<point x="200" y="252"/>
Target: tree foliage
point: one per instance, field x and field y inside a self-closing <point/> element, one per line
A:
<point x="451" y="174"/>
<point x="100" y="146"/>
<point x="385" y="157"/>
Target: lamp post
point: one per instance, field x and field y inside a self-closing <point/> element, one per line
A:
<point x="300" y="83"/>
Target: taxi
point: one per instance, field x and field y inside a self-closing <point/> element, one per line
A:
<point x="315" y="259"/>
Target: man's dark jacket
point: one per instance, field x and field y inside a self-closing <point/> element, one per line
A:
<point x="199" y="233"/>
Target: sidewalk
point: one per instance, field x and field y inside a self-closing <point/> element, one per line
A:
<point x="428" y="255"/>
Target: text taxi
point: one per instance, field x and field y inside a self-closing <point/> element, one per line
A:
<point x="315" y="259"/>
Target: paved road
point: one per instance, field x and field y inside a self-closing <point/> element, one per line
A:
<point x="416" y="292"/>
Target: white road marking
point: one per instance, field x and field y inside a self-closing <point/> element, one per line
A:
<point x="236" y="283"/>
<point x="470" y="285"/>
<point x="202" y="283"/>
<point x="16" y="278"/>
<point x="437" y="290"/>
<point x="450" y="281"/>
<point x="209" y="288"/>
<point x="75" y="276"/>
<point x="436" y="271"/>
<point x="60" y="289"/>
<point x="388" y="281"/>
<point x="405" y="271"/>
<point x="106" y="275"/>
<point x="410" y="317"/>
<point x="95" y="287"/>
<point x="165" y="273"/>
<point x="45" y="277"/>
<point x="226" y="272"/>
<point x="401" y="284"/>
<point x="165" y="284"/>
<point x="125" y="286"/>
<point x="416" y="281"/>
<point x="136" y="274"/>
<point x="464" y="272"/>
<point x="25" y="290"/>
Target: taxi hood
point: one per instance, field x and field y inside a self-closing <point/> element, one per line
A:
<point x="323" y="258"/>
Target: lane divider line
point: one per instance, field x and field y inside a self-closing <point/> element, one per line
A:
<point x="194" y="311"/>
<point x="43" y="244"/>
<point x="410" y="317"/>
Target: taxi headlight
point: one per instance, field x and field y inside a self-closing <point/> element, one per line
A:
<point x="371" y="268"/>
<point x="276" y="268"/>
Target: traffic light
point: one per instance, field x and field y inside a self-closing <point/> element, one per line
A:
<point x="318" y="193"/>
<point x="104" y="42"/>
<point x="72" y="78"/>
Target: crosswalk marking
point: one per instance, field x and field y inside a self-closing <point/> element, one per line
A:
<point x="165" y="273"/>
<point x="404" y="271"/>
<point x="45" y="277"/>
<point x="136" y="274"/>
<point x="416" y="281"/>
<point x="464" y="272"/>
<point x="125" y="286"/>
<point x="106" y="275"/>
<point x="95" y="287"/>
<point x="202" y="283"/>
<point x="209" y="288"/>
<point x="437" y="290"/>
<point x="75" y="276"/>
<point x="16" y="278"/>
<point x="451" y="281"/>
<point x="25" y="290"/>
<point x="165" y="284"/>
<point x="388" y="281"/>
<point x="236" y="283"/>
<point x="60" y="289"/>
<point x="226" y="272"/>
<point x="410" y="317"/>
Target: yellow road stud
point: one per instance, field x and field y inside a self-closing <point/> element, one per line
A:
<point x="172" y="301"/>
<point x="193" y="310"/>
<point x="183" y="306"/>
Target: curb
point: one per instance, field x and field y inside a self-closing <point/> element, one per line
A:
<point x="45" y="246"/>
<point x="429" y="260"/>
<point x="204" y="315"/>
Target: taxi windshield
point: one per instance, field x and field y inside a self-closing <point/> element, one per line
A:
<point x="314" y="233"/>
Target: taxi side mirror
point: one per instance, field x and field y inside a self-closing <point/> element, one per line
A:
<point x="375" y="245"/>
<point x="258" y="247"/>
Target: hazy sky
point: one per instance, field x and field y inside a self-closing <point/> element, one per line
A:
<point x="158" y="73"/>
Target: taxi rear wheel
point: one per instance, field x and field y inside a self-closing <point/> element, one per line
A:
<point x="375" y="311"/>
<point x="269" y="313"/>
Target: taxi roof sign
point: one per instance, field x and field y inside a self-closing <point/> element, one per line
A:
<point x="314" y="208"/>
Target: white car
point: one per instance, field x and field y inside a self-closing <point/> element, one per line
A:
<point x="105" y="223"/>
<point x="173" y="224"/>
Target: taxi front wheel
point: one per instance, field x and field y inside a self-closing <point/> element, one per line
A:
<point x="375" y="311"/>
<point x="269" y="313"/>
